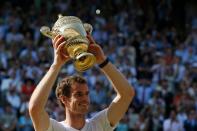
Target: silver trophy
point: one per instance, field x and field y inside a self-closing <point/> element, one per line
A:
<point x="74" y="31"/>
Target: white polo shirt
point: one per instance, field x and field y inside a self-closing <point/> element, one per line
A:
<point x="99" y="122"/>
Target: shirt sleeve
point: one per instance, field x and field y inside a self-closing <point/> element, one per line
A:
<point x="102" y="119"/>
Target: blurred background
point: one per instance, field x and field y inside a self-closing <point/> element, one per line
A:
<point x="153" y="42"/>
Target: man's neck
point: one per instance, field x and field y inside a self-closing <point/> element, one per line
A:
<point x="75" y="120"/>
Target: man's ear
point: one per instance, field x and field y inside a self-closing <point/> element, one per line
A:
<point x="64" y="100"/>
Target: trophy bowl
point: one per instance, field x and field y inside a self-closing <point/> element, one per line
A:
<point x="74" y="32"/>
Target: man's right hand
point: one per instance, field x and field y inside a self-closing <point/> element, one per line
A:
<point x="60" y="53"/>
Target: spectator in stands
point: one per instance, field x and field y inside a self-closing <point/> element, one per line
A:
<point x="8" y="119"/>
<point x="28" y="87"/>
<point x="25" y="123"/>
<point x="172" y="124"/>
<point x="191" y="123"/>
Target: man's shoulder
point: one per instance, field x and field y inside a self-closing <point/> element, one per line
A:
<point x="99" y="115"/>
<point x="56" y="126"/>
<point x="100" y="122"/>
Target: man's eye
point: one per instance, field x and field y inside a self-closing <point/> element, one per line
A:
<point x="79" y="94"/>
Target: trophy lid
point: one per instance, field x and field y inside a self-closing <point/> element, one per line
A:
<point x="65" y="20"/>
<point x="71" y="22"/>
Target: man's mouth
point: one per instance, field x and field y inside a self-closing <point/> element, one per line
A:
<point x="83" y="104"/>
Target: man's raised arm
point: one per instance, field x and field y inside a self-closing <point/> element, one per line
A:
<point x="125" y="92"/>
<point x="40" y="95"/>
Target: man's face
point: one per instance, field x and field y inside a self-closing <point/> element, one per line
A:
<point x="79" y="100"/>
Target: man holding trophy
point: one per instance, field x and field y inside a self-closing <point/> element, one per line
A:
<point x="72" y="41"/>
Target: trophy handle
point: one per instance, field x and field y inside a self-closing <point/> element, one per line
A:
<point x="47" y="32"/>
<point x="88" y="27"/>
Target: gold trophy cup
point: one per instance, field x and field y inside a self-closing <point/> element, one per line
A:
<point x="74" y="31"/>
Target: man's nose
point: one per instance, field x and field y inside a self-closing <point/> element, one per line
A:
<point x="86" y="98"/>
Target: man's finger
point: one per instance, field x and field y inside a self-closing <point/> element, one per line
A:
<point x="90" y="39"/>
<point x="59" y="41"/>
<point x="61" y="46"/>
<point x="56" y="37"/>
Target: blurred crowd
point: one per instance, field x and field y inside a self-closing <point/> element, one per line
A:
<point x="153" y="42"/>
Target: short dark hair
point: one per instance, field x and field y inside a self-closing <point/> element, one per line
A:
<point x="64" y="86"/>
